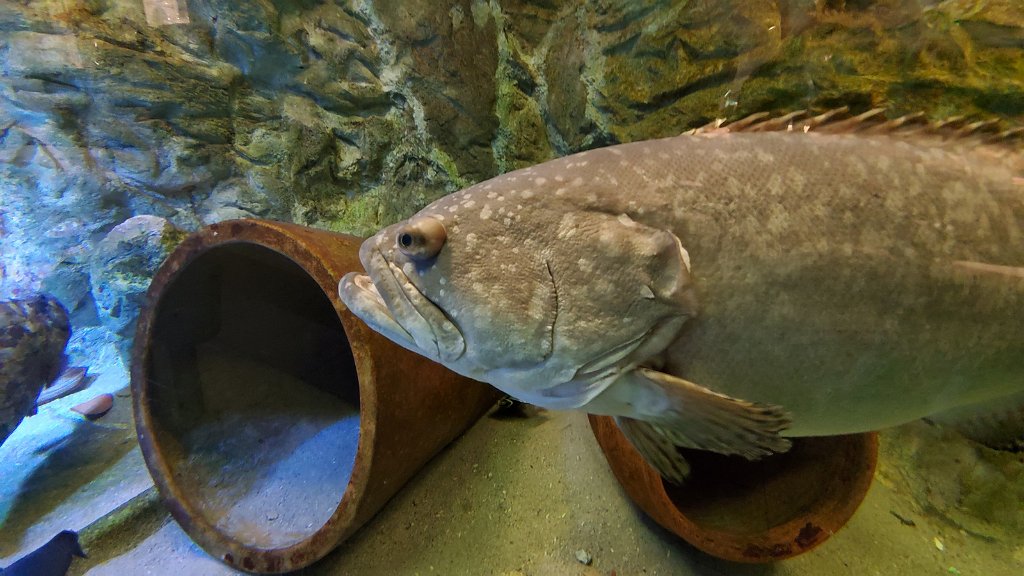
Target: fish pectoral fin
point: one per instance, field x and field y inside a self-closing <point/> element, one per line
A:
<point x="657" y="449"/>
<point x="692" y="416"/>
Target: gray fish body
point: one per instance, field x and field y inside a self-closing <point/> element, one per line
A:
<point x="827" y="273"/>
<point x="856" y="281"/>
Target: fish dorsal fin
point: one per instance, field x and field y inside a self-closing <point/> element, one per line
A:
<point x="991" y="138"/>
<point x="874" y="121"/>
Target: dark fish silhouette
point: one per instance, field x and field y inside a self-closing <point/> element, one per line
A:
<point x="51" y="559"/>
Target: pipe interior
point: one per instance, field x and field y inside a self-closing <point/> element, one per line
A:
<point x="744" y="498"/>
<point x="254" y="395"/>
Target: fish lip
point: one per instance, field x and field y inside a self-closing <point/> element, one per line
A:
<point x="362" y="299"/>
<point x="400" y="310"/>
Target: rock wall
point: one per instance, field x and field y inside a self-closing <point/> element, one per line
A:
<point x="350" y="115"/>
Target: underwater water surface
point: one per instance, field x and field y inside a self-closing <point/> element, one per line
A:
<point x="125" y="125"/>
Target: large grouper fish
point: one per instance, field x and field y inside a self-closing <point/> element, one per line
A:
<point x="727" y="288"/>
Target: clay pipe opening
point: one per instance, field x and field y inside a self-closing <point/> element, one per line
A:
<point x="751" y="512"/>
<point x="274" y="422"/>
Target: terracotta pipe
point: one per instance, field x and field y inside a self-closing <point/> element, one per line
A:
<point x="750" y="512"/>
<point x="273" y="421"/>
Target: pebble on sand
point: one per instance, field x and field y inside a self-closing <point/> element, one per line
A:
<point x="583" y="557"/>
<point x="95" y="407"/>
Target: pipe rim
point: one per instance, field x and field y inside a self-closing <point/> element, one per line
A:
<point x="800" y="534"/>
<point x="184" y="510"/>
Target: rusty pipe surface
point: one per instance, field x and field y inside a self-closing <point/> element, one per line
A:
<point x="273" y="421"/>
<point x="751" y="512"/>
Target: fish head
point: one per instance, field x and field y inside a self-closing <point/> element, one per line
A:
<point x="545" y="302"/>
<point x="455" y="290"/>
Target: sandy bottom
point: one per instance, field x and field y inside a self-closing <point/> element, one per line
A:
<point x="270" y="469"/>
<point x="519" y="497"/>
<point x="59" y="471"/>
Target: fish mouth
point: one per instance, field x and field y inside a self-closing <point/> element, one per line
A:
<point x="388" y="301"/>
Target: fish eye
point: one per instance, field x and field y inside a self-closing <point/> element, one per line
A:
<point x="421" y="238"/>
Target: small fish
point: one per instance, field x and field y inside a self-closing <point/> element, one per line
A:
<point x="51" y="559"/>
<point x="70" y="381"/>
<point x="726" y="289"/>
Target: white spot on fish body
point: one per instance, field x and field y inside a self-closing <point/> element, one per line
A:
<point x="540" y="181"/>
<point x="485" y="214"/>
<point x="577" y="181"/>
<point x="469" y="203"/>
<point x="492" y="195"/>
<point x="471" y="239"/>
<point x="442" y="281"/>
<point x="501" y="198"/>
<point x="560" y="192"/>
<point x="585" y="266"/>
<point x="566" y="230"/>
<point x="559" y="178"/>
<point x="452" y="209"/>
<point x="507" y="221"/>
<point x="527" y="194"/>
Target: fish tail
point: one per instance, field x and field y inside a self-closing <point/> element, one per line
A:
<point x="997" y="423"/>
